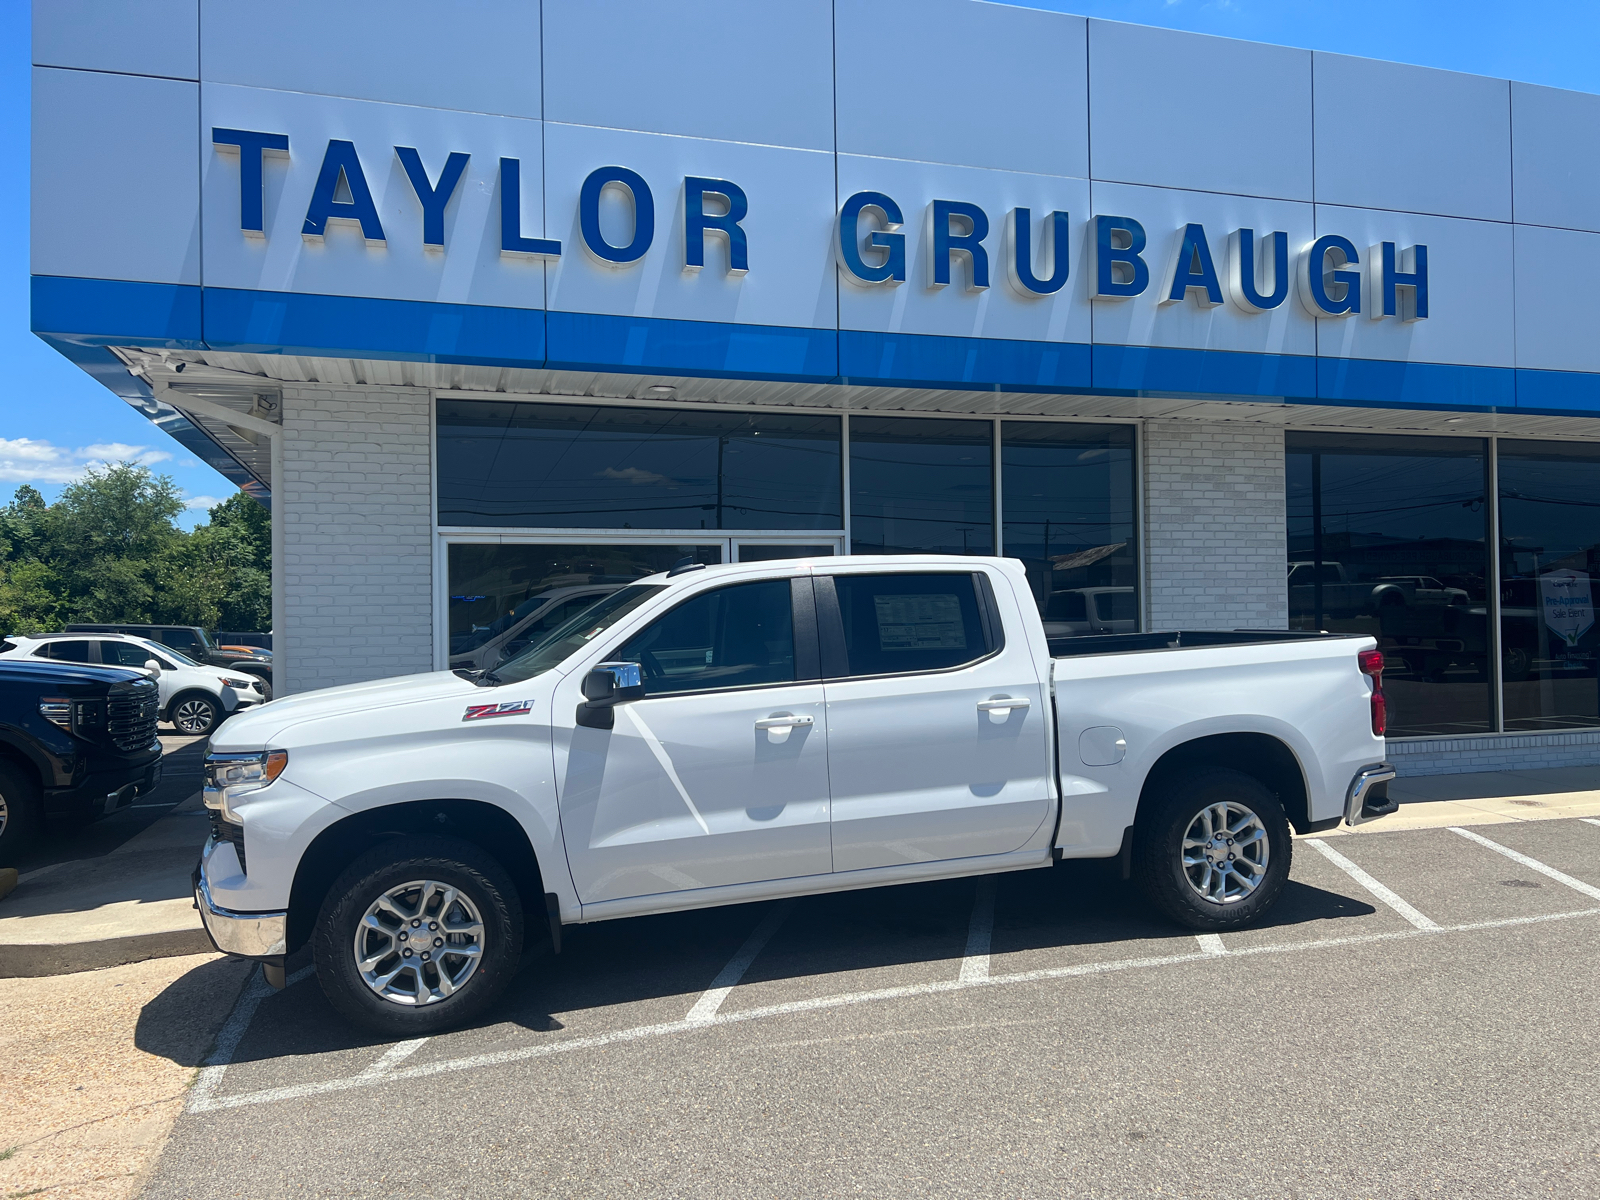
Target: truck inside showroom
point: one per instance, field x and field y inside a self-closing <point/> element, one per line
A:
<point x="486" y="312"/>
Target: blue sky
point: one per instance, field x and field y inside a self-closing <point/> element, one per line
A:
<point x="54" y="420"/>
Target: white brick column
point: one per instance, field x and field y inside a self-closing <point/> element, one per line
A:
<point x="1214" y="520"/>
<point x="354" y="501"/>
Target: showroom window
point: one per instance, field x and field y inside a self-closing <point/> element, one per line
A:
<point x="1549" y="553"/>
<point x="1389" y="536"/>
<point x="510" y="464"/>
<point x="921" y="485"/>
<point x="1067" y="507"/>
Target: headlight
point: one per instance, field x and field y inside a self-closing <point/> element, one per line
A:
<point x="235" y="683"/>
<point x="229" y="776"/>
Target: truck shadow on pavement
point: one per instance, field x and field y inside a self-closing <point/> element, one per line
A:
<point x="651" y="969"/>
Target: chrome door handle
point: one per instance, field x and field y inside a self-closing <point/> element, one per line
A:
<point x="1004" y="704"/>
<point x="783" y="722"/>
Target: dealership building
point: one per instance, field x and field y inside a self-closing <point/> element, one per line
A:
<point x="510" y="299"/>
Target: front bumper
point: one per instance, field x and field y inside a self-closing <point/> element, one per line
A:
<point x="1368" y="797"/>
<point x="258" y="935"/>
<point x="102" y="792"/>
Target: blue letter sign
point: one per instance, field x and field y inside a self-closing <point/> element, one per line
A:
<point x="1243" y="274"/>
<point x="1385" y="280"/>
<point x="434" y="200"/>
<point x="644" y="216"/>
<point x="1193" y="268"/>
<point x="1320" y="284"/>
<point x="340" y="161"/>
<point x="1134" y="276"/>
<point x="893" y="268"/>
<point x="697" y="223"/>
<point x="511" y="240"/>
<point x="1019" y="254"/>
<point x="251" y="147"/>
<point x="945" y="243"/>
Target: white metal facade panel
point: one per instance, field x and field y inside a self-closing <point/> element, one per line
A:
<point x="1412" y="139"/>
<point x="152" y="37"/>
<point x="1152" y="123"/>
<point x="115" y="191"/>
<point x="998" y="312"/>
<point x="1470" y="292"/>
<point x="482" y="57"/>
<point x="790" y="281"/>
<point x="1555" y="174"/>
<point x="759" y="72"/>
<point x="1558" y="310"/>
<point x="1147" y="321"/>
<point x="977" y="85"/>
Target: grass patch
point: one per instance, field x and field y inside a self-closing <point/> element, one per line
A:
<point x="5" y="1154"/>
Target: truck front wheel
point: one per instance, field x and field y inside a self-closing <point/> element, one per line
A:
<point x="1213" y="852"/>
<point x="418" y="936"/>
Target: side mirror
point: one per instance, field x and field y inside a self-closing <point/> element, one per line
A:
<point x="604" y="688"/>
<point x="153" y="666"/>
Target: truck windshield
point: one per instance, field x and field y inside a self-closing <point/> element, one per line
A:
<point x="571" y="636"/>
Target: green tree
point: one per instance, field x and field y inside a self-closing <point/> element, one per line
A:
<point x="108" y="550"/>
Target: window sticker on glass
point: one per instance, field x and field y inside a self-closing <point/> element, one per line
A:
<point x="920" y="622"/>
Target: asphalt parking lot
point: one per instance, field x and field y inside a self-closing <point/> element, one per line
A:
<point x="1419" y="1019"/>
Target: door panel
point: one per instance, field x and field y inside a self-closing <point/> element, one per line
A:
<point x="701" y="788"/>
<point x="924" y="765"/>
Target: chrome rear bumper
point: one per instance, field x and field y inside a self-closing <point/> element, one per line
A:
<point x="1368" y="797"/>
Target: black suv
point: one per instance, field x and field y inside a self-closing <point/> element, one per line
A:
<point x="198" y="645"/>
<point x="74" y="742"/>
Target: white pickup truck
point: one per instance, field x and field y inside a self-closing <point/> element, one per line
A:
<point x="737" y="733"/>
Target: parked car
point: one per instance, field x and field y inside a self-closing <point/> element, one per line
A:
<point x="1074" y="611"/>
<point x="194" y="698"/>
<point x="230" y="640"/>
<point x="75" y="741"/>
<point x="1343" y="596"/>
<point x="509" y="635"/>
<point x="198" y="645"/>
<point x="736" y="733"/>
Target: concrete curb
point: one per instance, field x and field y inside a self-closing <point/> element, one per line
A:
<point x="31" y="960"/>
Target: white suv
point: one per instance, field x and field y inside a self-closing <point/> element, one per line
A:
<point x="194" y="698"/>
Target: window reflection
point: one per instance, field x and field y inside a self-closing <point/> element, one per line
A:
<point x="1068" y="509"/>
<point x="921" y="486"/>
<point x="504" y="598"/>
<point x="1388" y="536"/>
<point x="566" y="466"/>
<point x="1549" y="556"/>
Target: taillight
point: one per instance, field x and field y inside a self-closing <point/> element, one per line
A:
<point x="1371" y="663"/>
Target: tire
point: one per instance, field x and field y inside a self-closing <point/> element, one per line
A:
<point x="388" y="882"/>
<point x="19" y="811"/>
<point x="266" y="686"/>
<point x="195" y="713"/>
<point x="1179" y="813"/>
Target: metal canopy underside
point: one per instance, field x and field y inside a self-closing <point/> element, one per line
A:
<point x="214" y="384"/>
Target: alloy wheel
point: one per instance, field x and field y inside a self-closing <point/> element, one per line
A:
<point x="419" y="943"/>
<point x="194" y="716"/>
<point x="1225" y="852"/>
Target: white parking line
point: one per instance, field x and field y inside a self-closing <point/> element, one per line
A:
<point x="980" y="931"/>
<point x="1372" y="885"/>
<point x="393" y="1057"/>
<point x="1589" y="820"/>
<point x="1533" y="864"/>
<point x="228" y="1037"/>
<point x="200" y="1103"/>
<point x="1210" y="943"/>
<point x="705" y="1008"/>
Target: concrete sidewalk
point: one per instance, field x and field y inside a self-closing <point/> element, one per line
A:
<point x="131" y="904"/>
<point x="1487" y="798"/>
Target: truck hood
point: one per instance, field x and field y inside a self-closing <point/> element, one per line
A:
<point x="255" y="728"/>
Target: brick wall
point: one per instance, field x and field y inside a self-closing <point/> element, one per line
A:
<point x="1215" y="523"/>
<point x="357" y="514"/>
<point x="1512" y="752"/>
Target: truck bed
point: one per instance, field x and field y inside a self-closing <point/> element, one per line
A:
<point x="1182" y="639"/>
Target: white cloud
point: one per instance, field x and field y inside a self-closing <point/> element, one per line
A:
<point x="34" y="460"/>
<point x="201" y="501"/>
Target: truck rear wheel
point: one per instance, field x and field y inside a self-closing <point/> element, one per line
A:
<point x="418" y="936"/>
<point x="19" y="811"/>
<point x="1213" y="853"/>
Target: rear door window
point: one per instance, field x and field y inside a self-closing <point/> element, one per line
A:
<point x="897" y="624"/>
<point x="124" y="654"/>
<point x="67" y="651"/>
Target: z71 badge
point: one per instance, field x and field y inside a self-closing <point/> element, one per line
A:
<point x="511" y="708"/>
